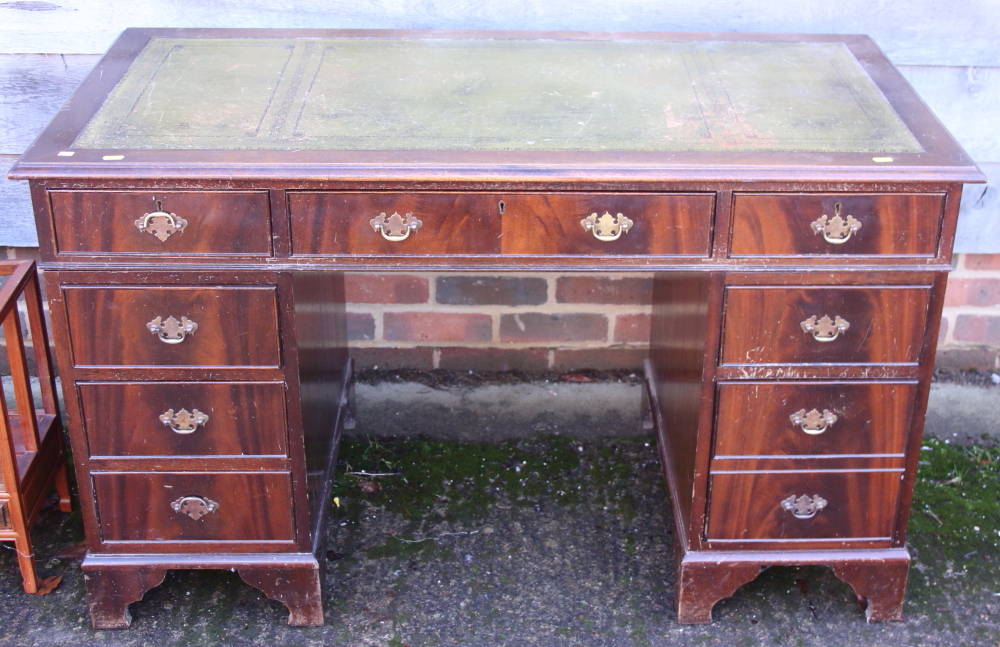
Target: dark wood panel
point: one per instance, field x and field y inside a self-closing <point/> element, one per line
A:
<point x="244" y="418"/>
<point x="340" y="223"/>
<point x="236" y="326"/>
<point x="890" y="224"/>
<point x="746" y="506"/>
<point x="754" y="419"/>
<point x="662" y="225"/>
<point x="138" y="506"/>
<point x="764" y="325"/>
<point x="217" y="222"/>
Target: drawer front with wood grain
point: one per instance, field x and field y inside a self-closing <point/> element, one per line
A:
<point x="184" y="419"/>
<point x="774" y="506"/>
<point x="178" y="326"/>
<point x="824" y="325"/>
<point x="381" y="224"/>
<point x="194" y="506"/>
<point x="775" y="419"/>
<point x="831" y="224"/>
<point x="608" y="224"/>
<point x="174" y="223"/>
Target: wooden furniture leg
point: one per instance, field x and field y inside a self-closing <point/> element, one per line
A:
<point x="62" y="489"/>
<point x="701" y="584"/>
<point x="296" y="588"/>
<point x="110" y="591"/>
<point x="881" y="583"/>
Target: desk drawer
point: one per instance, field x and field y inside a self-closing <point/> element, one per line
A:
<point x="125" y="222"/>
<point x="220" y="506"/>
<point x="792" y="224"/>
<point x="181" y="326"/>
<point x="145" y="419"/>
<point x="848" y="418"/>
<point x="341" y="223"/>
<point x="749" y="506"/>
<point x="658" y="224"/>
<point x="824" y="325"/>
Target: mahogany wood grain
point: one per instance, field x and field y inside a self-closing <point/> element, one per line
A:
<point x="746" y="506"/>
<point x="110" y="591"/>
<point x="219" y="223"/>
<point x="763" y="325"/>
<point x="700" y="585"/>
<point x="331" y="223"/>
<point x="252" y="507"/>
<point x="891" y="224"/>
<point x="244" y="418"/>
<point x="753" y="418"/>
<point x="236" y="326"/>
<point x="881" y="582"/>
<point x="662" y="225"/>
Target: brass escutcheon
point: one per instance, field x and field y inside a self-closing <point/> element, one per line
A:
<point x="172" y="331"/>
<point x="813" y="423"/>
<point x="606" y="227"/>
<point x="825" y="329"/>
<point x="161" y="224"/>
<point x="183" y="422"/>
<point x="804" y="507"/>
<point x="395" y="227"/>
<point x="837" y="230"/>
<point x="195" y="507"/>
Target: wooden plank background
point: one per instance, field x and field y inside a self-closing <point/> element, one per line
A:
<point x="948" y="51"/>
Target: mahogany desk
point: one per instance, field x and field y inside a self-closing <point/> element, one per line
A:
<point x="199" y="196"/>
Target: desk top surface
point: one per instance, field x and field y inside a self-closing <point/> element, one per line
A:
<point x="370" y="104"/>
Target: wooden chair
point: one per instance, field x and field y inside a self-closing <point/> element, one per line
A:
<point x="32" y="455"/>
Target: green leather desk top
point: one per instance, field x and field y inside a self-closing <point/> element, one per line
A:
<point x="493" y="95"/>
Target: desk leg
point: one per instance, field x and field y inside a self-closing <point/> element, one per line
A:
<point x="881" y="583"/>
<point x="701" y="584"/>
<point x="110" y="591"/>
<point x="296" y="588"/>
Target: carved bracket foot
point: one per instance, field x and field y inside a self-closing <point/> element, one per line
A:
<point x="881" y="583"/>
<point x="700" y="585"/>
<point x="296" y="588"/>
<point x="110" y="591"/>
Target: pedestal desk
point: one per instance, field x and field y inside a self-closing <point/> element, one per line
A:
<point x="200" y="195"/>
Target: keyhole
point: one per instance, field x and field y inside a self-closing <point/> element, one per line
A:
<point x="159" y="206"/>
<point x="501" y="205"/>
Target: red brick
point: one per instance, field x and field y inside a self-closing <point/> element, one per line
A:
<point x="982" y="261"/>
<point x="600" y="359"/>
<point x="491" y="290"/>
<point x="360" y="326"/>
<point x="942" y="331"/>
<point x="543" y="327"/>
<point x="981" y="358"/>
<point x="436" y="326"/>
<point x="597" y="289"/>
<point x="632" y="328"/>
<point x="972" y="292"/>
<point x="393" y="358"/>
<point x="386" y="288"/>
<point x="984" y="329"/>
<point x="494" y="359"/>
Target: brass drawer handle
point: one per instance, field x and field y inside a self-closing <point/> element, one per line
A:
<point x="161" y="224"/>
<point x="825" y="329"/>
<point x="395" y="227"/>
<point x="813" y="423"/>
<point x="172" y="331"/>
<point x="183" y="422"/>
<point x="837" y="230"/>
<point x="606" y="227"/>
<point x="804" y="507"/>
<point x="195" y="507"/>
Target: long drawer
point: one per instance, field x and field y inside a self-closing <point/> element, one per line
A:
<point x="178" y="419"/>
<point x="824" y="324"/>
<point x="178" y="326"/>
<point x="834" y="224"/>
<point x="162" y="223"/>
<point x="194" y="506"/>
<point x="776" y="419"/>
<point x="775" y="506"/>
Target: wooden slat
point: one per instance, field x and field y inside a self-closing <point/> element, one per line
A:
<point x="14" y="337"/>
<point x="910" y="32"/>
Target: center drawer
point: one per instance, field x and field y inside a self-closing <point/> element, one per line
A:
<point x="178" y="326"/>
<point x="829" y="324"/>
<point x="179" y="419"/>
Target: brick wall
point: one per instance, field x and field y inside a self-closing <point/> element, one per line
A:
<point x="970" y="327"/>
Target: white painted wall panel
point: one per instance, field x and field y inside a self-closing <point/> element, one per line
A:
<point x="914" y="32"/>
